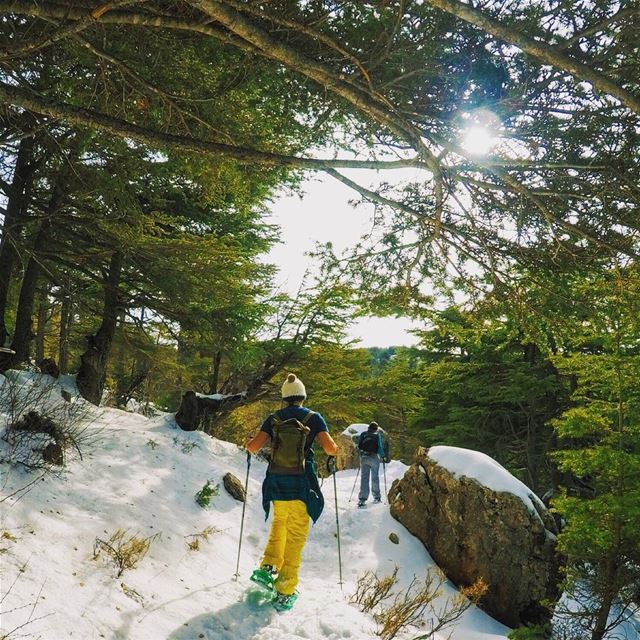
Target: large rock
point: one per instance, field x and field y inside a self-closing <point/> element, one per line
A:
<point x="477" y="520"/>
<point x="234" y="487"/>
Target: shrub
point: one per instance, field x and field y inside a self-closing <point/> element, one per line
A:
<point x="30" y="607"/>
<point x="124" y="552"/>
<point x="372" y="590"/>
<point x="39" y="425"/>
<point x="415" y="604"/>
<point x="193" y="539"/>
<point x="529" y="633"/>
<point x="186" y="446"/>
<point x="203" y="497"/>
<point x="453" y="608"/>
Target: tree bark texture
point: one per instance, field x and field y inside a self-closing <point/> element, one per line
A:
<point x="41" y="330"/>
<point x="93" y="362"/>
<point x="215" y="373"/>
<point x="66" y="316"/>
<point x="12" y="226"/>
<point x="199" y="412"/>
<point x="23" y="333"/>
<point x="605" y="602"/>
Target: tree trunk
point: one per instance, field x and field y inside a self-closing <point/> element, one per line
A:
<point x="205" y="413"/>
<point x="66" y="316"/>
<point x="23" y="333"/>
<point x="532" y="452"/>
<point x="140" y="370"/>
<point x="93" y="362"/>
<point x="43" y="308"/>
<point x="15" y="211"/>
<point x="215" y="374"/>
<point x="609" y="593"/>
<point x="531" y="355"/>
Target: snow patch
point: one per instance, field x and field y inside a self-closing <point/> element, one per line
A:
<point x="354" y="430"/>
<point x="486" y="471"/>
<point x="212" y="396"/>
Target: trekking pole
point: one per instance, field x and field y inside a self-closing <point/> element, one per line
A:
<point x="331" y="465"/>
<point x="384" y="475"/>
<point x="354" y="483"/>
<point x="244" y="506"/>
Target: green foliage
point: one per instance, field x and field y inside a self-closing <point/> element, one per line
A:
<point x="530" y="633"/>
<point x="484" y="389"/>
<point x="600" y="439"/>
<point x="337" y="382"/>
<point x="603" y="432"/>
<point x="208" y="491"/>
<point x="186" y="446"/>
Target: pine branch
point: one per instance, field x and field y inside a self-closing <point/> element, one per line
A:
<point x="540" y="50"/>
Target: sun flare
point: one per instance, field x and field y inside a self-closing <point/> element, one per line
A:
<point x="478" y="140"/>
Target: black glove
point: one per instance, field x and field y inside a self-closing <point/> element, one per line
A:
<point x="386" y="459"/>
<point x="331" y="464"/>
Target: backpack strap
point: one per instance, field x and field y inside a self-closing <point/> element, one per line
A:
<point x="276" y="417"/>
<point x="307" y="417"/>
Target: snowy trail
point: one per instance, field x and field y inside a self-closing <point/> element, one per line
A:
<point x="143" y="478"/>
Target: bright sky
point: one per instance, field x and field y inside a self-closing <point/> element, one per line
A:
<point x="325" y="214"/>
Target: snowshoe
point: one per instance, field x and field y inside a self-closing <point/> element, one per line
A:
<point x="283" y="602"/>
<point x="265" y="576"/>
<point x="262" y="592"/>
<point x="361" y="504"/>
<point x="377" y="500"/>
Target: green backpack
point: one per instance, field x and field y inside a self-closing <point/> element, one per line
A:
<point x="287" y="447"/>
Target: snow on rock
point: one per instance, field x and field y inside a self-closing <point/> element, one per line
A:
<point x="489" y="473"/>
<point x="354" y="430"/>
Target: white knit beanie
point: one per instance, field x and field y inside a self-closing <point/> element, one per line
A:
<point x="293" y="387"/>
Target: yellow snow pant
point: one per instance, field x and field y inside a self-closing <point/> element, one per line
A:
<point x="288" y="534"/>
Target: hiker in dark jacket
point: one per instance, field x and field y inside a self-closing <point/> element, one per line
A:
<point x="371" y="449"/>
<point x="295" y="492"/>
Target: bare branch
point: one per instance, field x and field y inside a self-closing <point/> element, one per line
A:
<point x="307" y="30"/>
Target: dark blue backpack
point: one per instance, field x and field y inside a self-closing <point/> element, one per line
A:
<point x="369" y="442"/>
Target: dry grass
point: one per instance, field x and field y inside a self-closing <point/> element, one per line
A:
<point x="193" y="539"/>
<point x="416" y="606"/>
<point x="372" y="590"/>
<point x="35" y="416"/>
<point x="125" y="552"/>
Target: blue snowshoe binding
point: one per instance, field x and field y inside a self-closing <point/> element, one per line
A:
<point x="283" y="602"/>
<point x="265" y="576"/>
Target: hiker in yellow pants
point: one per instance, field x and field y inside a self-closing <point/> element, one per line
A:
<point x="292" y="485"/>
<point x="287" y="537"/>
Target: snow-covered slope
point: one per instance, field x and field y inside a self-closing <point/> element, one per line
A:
<point x="142" y="477"/>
